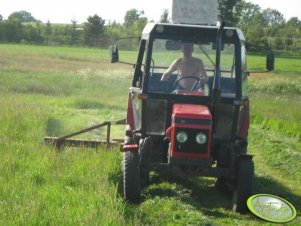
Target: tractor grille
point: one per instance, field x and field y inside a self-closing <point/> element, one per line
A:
<point x="191" y="146"/>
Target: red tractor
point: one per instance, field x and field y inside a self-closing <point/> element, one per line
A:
<point x="201" y="131"/>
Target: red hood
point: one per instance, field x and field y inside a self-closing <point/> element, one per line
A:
<point x="191" y="111"/>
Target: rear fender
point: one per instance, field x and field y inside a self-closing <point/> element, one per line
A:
<point x="130" y="147"/>
<point x="134" y="109"/>
<point x="130" y="113"/>
<point x="129" y="144"/>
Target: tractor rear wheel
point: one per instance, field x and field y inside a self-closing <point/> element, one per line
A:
<point x="131" y="177"/>
<point x="223" y="184"/>
<point x="243" y="188"/>
<point x="144" y="152"/>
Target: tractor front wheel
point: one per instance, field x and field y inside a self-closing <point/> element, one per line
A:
<point x="131" y="177"/>
<point x="243" y="188"/>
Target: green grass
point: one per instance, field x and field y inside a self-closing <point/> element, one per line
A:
<point x="282" y="64"/>
<point x="55" y="90"/>
<point x="276" y="102"/>
<point x="42" y="187"/>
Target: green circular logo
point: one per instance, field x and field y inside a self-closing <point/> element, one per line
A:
<point x="271" y="208"/>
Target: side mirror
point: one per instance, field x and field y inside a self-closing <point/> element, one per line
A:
<point x="173" y="45"/>
<point x="114" y="54"/>
<point x="270" y="61"/>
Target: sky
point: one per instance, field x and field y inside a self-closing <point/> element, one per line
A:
<point x="64" y="11"/>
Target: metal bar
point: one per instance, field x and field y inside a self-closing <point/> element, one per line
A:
<point x="108" y="132"/>
<point x="59" y="142"/>
<point x="81" y="131"/>
<point x="119" y="122"/>
<point x="80" y="142"/>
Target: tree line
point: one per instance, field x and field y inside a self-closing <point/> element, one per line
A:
<point x="22" y="27"/>
<point x="263" y="28"/>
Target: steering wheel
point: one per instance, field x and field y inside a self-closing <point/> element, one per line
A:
<point x="202" y="81"/>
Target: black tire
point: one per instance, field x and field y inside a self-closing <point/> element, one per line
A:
<point x="144" y="152"/>
<point x="222" y="184"/>
<point x="144" y="177"/>
<point x="244" y="183"/>
<point x="131" y="177"/>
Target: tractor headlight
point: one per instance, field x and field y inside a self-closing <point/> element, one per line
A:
<point x="201" y="138"/>
<point x="182" y="136"/>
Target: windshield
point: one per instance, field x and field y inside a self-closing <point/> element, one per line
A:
<point x="187" y="67"/>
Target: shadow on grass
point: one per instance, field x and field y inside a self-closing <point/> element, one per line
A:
<point x="202" y="194"/>
<point x="53" y="127"/>
<point x="264" y="185"/>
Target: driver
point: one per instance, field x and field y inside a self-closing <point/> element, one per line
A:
<point x="186" y="66"/>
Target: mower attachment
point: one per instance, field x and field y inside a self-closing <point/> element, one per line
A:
<point x="60" y="142"/>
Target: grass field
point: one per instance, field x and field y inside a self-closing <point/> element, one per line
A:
<point x="56" y="90"/>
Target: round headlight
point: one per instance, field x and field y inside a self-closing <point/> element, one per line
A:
<point x="201" y="138"/>
<point x="182" y="137"/>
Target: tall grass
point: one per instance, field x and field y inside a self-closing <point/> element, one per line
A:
<point x="76" y="86"/>
<point x="42" y="187"/>
<point x="275" y="134"/>
<point x="276" y="102"/>
<point x="52" y="91"/>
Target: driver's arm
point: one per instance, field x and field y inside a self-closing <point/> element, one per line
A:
<point x="202" y="71"/>
<point x="173" y="67"/>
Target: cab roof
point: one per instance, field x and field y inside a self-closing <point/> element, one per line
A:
<point x="187" y="31"/>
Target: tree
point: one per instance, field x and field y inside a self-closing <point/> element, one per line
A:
<point x="1" y="30"/>
<point x="23" y="16"/>
<point x="292" y="30"/>
<point x="32" y="33"/>
<point x="60" y="34"/>
<point x="248" y="13"/>
<point x="273" y="17"/>
<point x="230" y="11"/>
<point x="12" y="30"/>
<point x="74" y="33"/>
<point x="139" y="26"/>
<point x="256" y="41"/>
<point x="164" y="17"/>
<point x="293" y="26"/>
<point x="114" y="30"/>
<point x="294" y="22"/>
<point x="279" y="43"/>
<point x="131" y="16"/>
<point x="94" y="30"/>
<point x="48" y="31"/>
<point x="134" y="22"/>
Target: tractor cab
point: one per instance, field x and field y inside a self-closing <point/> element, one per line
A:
<point x="198" y="130"/>
<point x="153" y="99"/>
